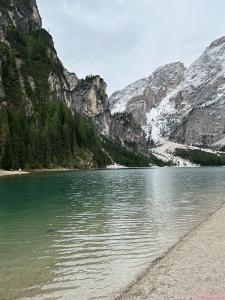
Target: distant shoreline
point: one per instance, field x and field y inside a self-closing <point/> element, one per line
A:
<point x="25" y="172"/>
<point x="108" y="168"/>
<point x="33" y="171"/>
<point x="12" y="173"/>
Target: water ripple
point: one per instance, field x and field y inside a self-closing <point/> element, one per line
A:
<point x="85" y="235"/>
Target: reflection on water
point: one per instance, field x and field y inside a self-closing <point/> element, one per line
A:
<point x="85" y="235"/>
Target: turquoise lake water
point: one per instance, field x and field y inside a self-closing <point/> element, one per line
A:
<point x="87" y="234"/>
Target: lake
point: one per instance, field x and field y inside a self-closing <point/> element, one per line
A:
<point x="87" y="234"/>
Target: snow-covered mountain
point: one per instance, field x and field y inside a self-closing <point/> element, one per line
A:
<point x="139" y="97"/>
<point x="186" y="106"/>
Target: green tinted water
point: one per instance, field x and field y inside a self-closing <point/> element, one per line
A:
<point x="85" y="235"/>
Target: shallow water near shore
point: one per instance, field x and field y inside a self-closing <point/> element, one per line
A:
<point x="87" y="234"/>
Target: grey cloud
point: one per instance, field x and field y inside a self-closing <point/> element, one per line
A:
<point x="124" y="40"/>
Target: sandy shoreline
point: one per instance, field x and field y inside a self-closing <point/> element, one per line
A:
<point x="194" y="268"/>
<point x="11" y="173"/>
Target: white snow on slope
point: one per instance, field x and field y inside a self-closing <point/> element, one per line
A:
<point x="157" y="81"/>
<point x="119" y="99"/>
<point x="166" y="152"/>
<point x="156" y="119"/>
<point x="116" y="166"/>
<point x="203" y="85"/>
<point x="204" y="71"/>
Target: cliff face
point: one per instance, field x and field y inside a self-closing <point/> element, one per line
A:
<point x="200" y="100"/>
<point x="21" y="29"/>
<point x="140" y="97"/>
<point x="23" y="14"/>
<point x="89" y="99"/>
<point x="89" y="96"/>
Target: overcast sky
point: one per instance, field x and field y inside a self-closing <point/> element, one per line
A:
<point x="125" y="40"/>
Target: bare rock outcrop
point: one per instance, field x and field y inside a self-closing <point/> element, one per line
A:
<point x="89" y="96"/>
<point x="72" y="79"/>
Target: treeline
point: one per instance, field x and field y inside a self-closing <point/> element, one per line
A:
<point x="37" y="130"/>
<point x="202" y="158"/>
<point x="55" y="140"/>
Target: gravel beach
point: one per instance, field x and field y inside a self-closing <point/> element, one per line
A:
<point x="193" y="269"/>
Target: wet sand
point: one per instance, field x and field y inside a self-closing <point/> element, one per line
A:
<point x="193" y="269"/>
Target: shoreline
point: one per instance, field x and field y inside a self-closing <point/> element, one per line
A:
<point x="164" y="278"/>
<point x="12" y="173"/>
<point x="4" y="173"/>
<point x="26" y="172"/>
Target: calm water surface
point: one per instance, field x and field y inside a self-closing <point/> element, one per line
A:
<point x="86" y="235"/>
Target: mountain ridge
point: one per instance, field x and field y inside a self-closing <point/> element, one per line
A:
<point x="187" y="111"/>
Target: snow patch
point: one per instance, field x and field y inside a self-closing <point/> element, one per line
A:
<point x="166" y="152"/>
<point x="116" y="166"/>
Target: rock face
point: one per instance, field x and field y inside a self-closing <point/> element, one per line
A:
<point x="22" y="14"/>
<point x="22" y="17"/>
<point x="185" y="106"/>
<point x="124" y="128"/>
<point x="90" y="100"/>
<point x="72" y="79"/>
<point x="200" y="100"/>
<point x="118" y="100"/>
<point x="89" y="96"/>
<point x="141" y="96"/>
<point x="194" y="113"/>
<point x="60" y="87"/>
<point x="2" y="93"/>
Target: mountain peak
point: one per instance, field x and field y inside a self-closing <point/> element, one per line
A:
<point x="170" y="66"/>
<point x="169" y="74"/>
<point x="218" y="42"/>
<point x="148" y="91"/>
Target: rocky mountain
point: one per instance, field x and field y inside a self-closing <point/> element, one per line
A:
<point x="48" y="116"/>
<point x="182" y="105"/>
<point x="89" y="98"/>
<point x="199" y="101"/>
<point x="141" y="96"/>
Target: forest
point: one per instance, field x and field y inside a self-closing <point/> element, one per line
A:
<point x="200" y="157"/>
